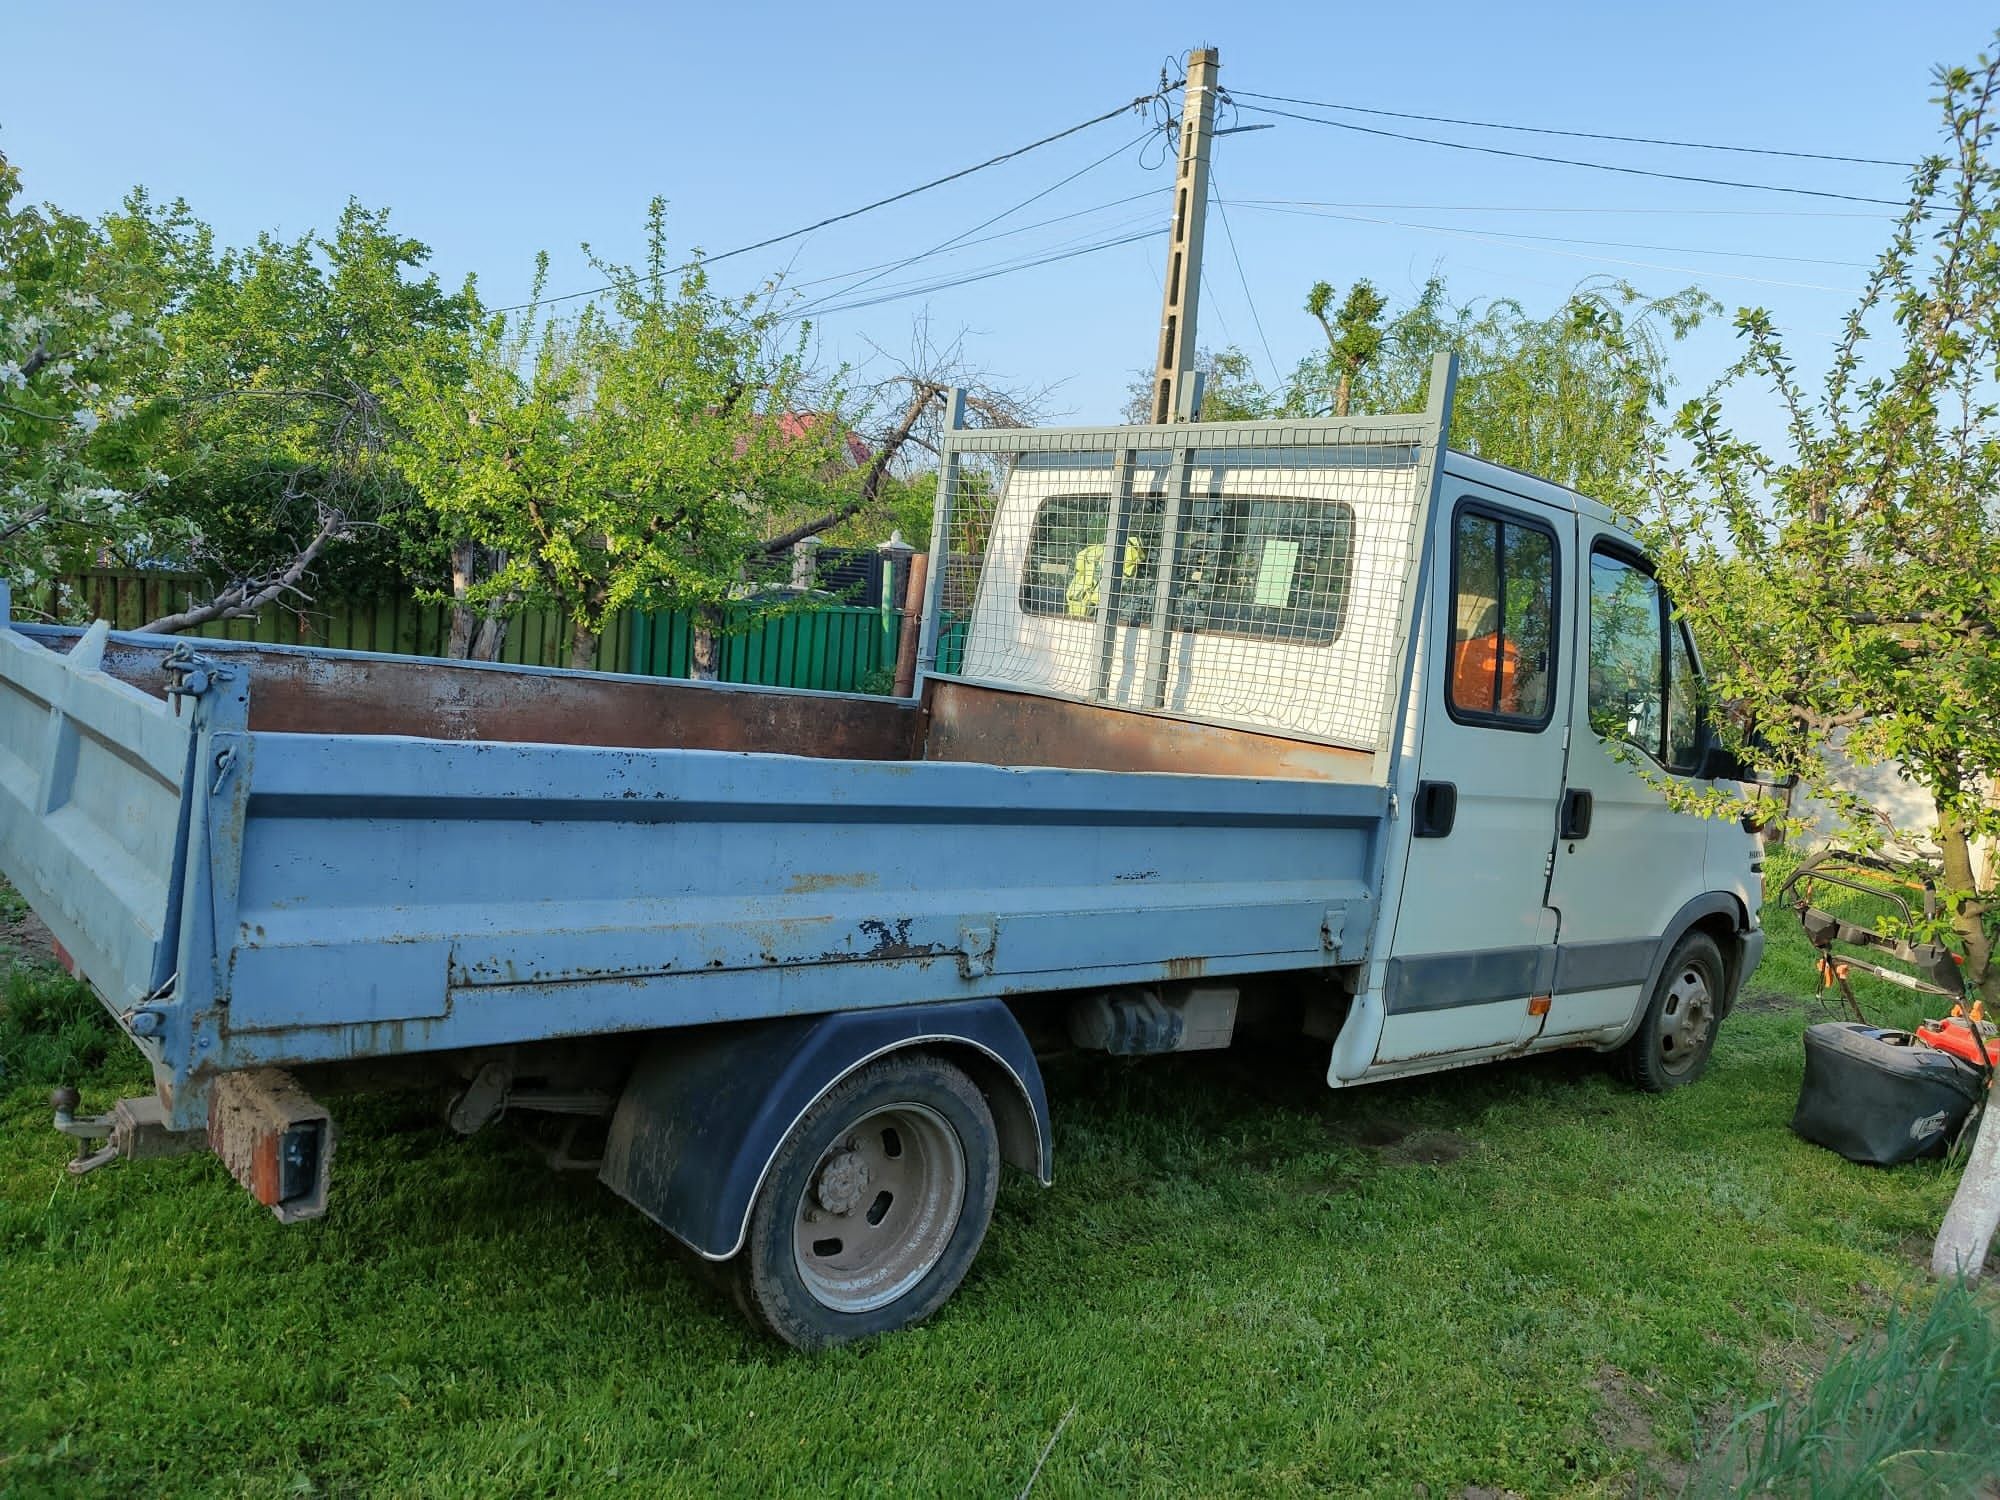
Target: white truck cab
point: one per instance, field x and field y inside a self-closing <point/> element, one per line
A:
<point x="1490" y="646"/>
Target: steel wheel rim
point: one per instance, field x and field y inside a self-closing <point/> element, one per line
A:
<point x="880" y="1208"/>
<point x="1687" y="1019"/>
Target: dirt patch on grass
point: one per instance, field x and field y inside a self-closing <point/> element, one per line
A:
<point x="1430" y="1148"/>
<point x="23" y="937"/>
<point x="1625" y="1425"/>
<point x="1382" y="1132"/>
<point x="1753" y="1000"/>
<point x="1402" y="1142"/>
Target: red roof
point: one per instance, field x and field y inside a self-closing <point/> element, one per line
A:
<point x="796" y="425"/>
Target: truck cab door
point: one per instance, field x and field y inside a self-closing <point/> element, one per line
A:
<point x="1474" y="940"/>
<point x="1625" y="861"/>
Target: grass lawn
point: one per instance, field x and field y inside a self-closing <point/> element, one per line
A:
<point x="1519" y="1277"/>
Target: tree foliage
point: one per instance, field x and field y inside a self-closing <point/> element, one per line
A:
<point x="1353" y="336"/>
<point x="1569" y="396"/>
<point x="1230" y="389"/>
<point x="1845" y="583"/>
<point x="628" y="455"/>
<point x="279" y="362"/>
<point x="78" y="319"/>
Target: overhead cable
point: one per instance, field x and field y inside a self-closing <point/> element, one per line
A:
<point x="1570" y="161"/>
<point x="1582" y="135"/>
<point x="853" y="213"/>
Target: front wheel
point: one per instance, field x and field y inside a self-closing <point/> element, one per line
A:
<point x="1674" y="1040"/>
<point x="873" y="1207"/>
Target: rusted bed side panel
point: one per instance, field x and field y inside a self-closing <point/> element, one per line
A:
<point x="996" y="727"/>
<point x="300" y="691"/>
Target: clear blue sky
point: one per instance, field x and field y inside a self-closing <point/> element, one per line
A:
<point x="499" y="129"/>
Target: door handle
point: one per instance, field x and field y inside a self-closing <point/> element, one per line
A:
<point x="1574" y="822"/>
<point x="1437" y="809"/>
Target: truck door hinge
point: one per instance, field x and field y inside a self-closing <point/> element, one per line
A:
<point x="193" y="674"/>
<point x="1332" y="927"/>
<point x="977" y="942"/>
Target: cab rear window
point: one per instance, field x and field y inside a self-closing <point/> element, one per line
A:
<point x="1264" y="567"/>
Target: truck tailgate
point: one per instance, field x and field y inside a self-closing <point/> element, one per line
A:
<point x="93" y="826"/>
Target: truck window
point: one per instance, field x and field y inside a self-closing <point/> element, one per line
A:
<point x="1503" y="570"/>
<point x="1683" y="702"/>
<point x="1065" y="566"/>
<point x="1627" y="687"/>
<point x="1268" y="568"/>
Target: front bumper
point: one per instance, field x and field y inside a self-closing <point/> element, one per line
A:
<point x="1750" y="953"/>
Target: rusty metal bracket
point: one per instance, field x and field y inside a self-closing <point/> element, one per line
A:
<point x="978" y="942"/>
<point x="193" y="674"/>
<point x="275" y="1139"/>
<point x="132" y="1130"/>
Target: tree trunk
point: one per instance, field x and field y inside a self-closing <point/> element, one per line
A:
<point x="704" y="657"/>
<point x="1969" y="1223"/>
<point x="463" y="618"/>
<point x="1970" y="923"/>
<point x="1343" y="393"/>
<point x="582" y="644"/>
<point x="491" y="636"/>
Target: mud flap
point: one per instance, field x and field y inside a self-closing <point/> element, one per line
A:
<point x="706" y="1109"/>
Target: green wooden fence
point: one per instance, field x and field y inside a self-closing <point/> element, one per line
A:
<point x="840" y="648"/>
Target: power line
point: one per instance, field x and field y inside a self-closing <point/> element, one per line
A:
<point x="1571" y="161"/>
<point x="943" y="245"/>
<point x="1307" y="210"/>
<point x="1581" y="208"/>
<point x="1582" y="135"/>
<point x="854" y="213"/>
<point x="1117" y="233"/>
<point x="985" y="239"/>
<point x="988" y="275"/>
<point x="1215" y="192"/>
<point x="1610" y="260"/>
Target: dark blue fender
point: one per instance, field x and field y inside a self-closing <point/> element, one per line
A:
<point x="1742" y="952"/>
<point x="706" y="1109"/>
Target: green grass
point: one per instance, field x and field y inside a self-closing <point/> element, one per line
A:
<point x="1520" y="1277"/>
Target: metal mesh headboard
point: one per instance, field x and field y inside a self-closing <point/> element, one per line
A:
<point x="1251" y="574"/>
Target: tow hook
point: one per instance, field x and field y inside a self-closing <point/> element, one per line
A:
<point x="135" y="1129"/>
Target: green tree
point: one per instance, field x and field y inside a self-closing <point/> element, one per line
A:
<point x="1230" y="389"/>
<point x="1844" y="583"/>
<point x="1353" y="336"/>
<point x="278" y="361"/>
<point x="1569" y="396"/>
<point x="77" y="320"/>
<point x="622" y="456"/>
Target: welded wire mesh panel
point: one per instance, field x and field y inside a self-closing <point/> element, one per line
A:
<point x="1244" y="574"/>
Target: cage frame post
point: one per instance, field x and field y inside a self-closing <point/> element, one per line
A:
<point x="1111" y="570"/>
<point x="1401" y="679"/>
<point x="941" y="517"/>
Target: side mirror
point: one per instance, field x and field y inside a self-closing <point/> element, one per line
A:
<point x="1720" y="763"/>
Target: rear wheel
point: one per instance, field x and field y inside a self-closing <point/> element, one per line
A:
<point x="1674" y="1040"/>
<point x="874" y="1206"/>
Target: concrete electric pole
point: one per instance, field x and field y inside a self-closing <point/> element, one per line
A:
<point x="1173" y="371"/>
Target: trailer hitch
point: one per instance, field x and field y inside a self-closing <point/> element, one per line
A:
<point x="133" y="1129"/>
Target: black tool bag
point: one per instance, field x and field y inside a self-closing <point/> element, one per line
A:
<point x="1882" y="1097"/>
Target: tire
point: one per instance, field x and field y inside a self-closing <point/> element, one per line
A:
<point x="874" y="1206"/>
<point x="1672" y="1046"/>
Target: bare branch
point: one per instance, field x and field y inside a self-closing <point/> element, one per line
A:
<point x="247" y="596"/>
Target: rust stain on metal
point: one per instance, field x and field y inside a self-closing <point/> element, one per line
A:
<point x="1186" y="968"/>
<point x="453" y="701"/>
<point x="802" y="885"/>
<point x="969" y="723"/>
<point x="250" y="1115"/>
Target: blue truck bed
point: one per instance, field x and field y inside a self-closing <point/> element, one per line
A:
<point x="253" y="869"/>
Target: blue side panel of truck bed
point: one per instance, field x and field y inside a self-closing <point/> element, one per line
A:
<point x="332" y="897"/>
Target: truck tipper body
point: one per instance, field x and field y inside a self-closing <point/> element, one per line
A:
<point x="1317" y="729"/>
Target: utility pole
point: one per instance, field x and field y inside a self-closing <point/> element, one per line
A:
<point x="1174" y="369"/>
